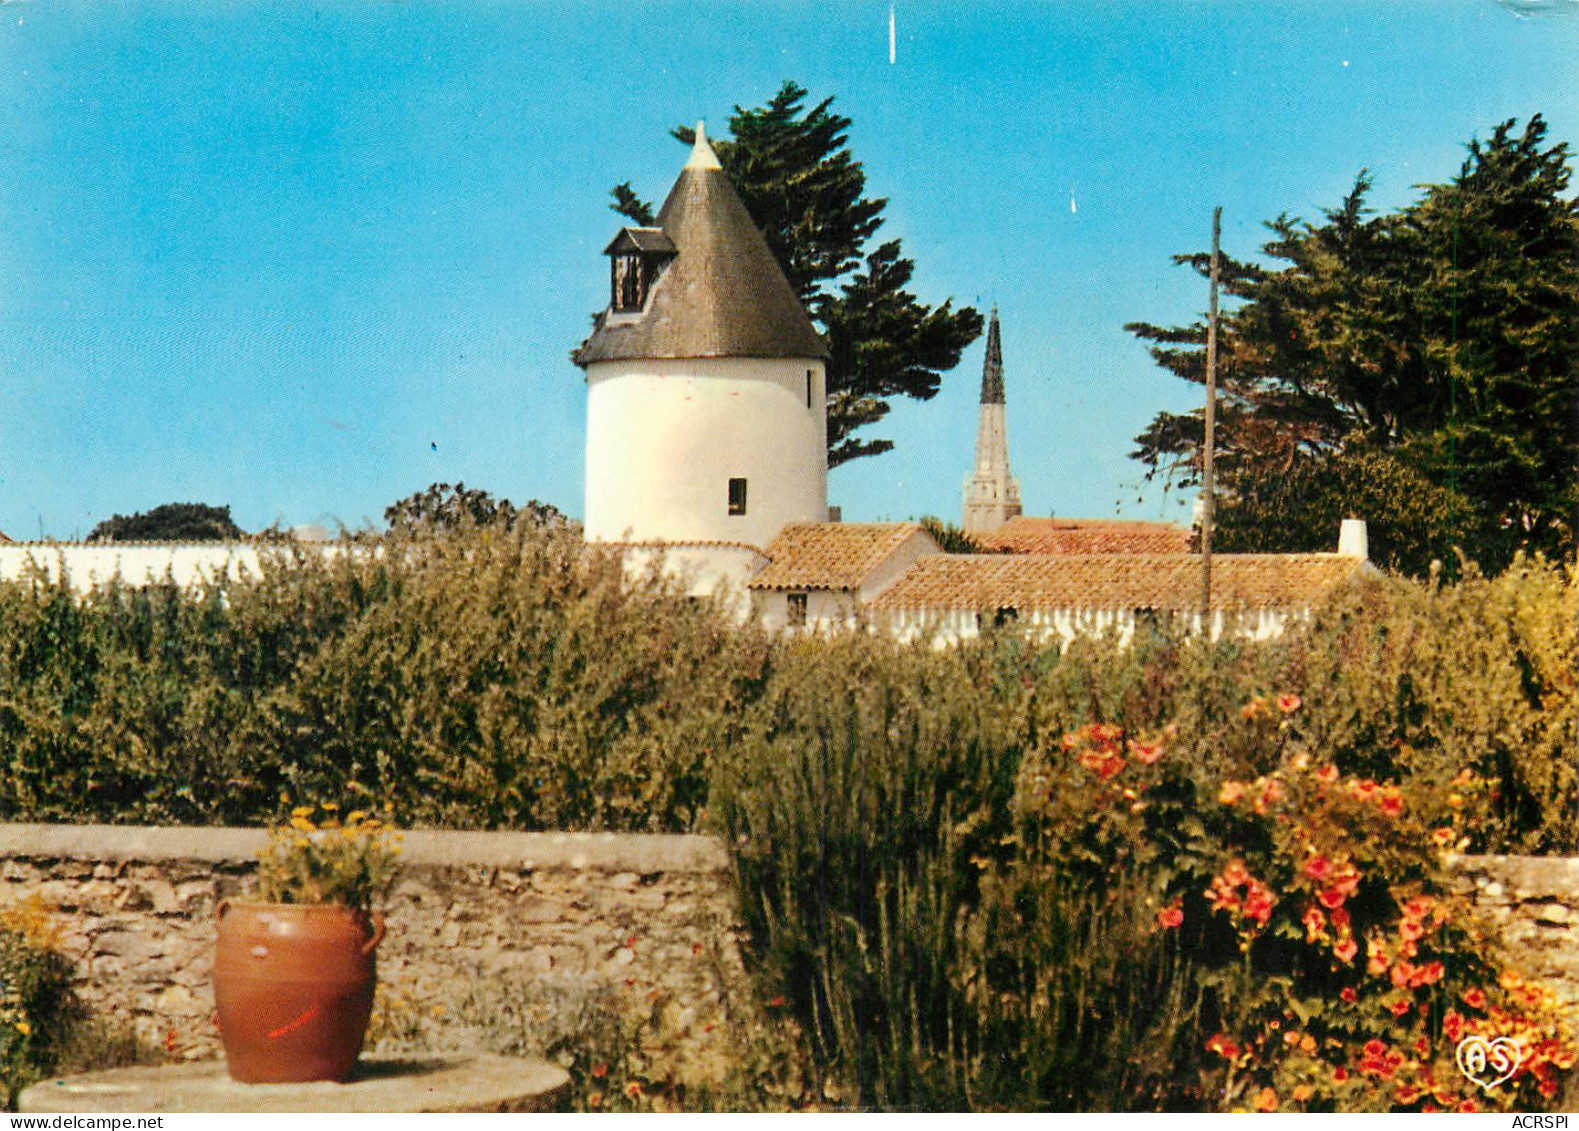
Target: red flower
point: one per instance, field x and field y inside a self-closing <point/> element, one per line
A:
<point x="1340" y="1074"/>
<point x="1346" y="949"/>
<point x="1266" y="1100"/>
<point x="1340" y="918"/>
<point x="599" y="1071"/>
<point x="776" y="1001"/>
<point x="1453" y="1025"/>
<point x="1318" y="868"/>
<point x="1146" y="753"/>
<point x="1374" y="1048"/>
<point x="1170" y="916"/>
<point x="1103" y="763"/>
<point x="633" y="1089"/>
<point x="1391" y="802"/>
<point x="1331" y="898"/>
<point x="1474" y="997"/>
<point x="1401" y="1007"/>
<point x="1315" y="923"/>
<point x="1327" y="775"/>
<point x="1406" y="1094"/>
<point x="1348" y="995"/>
<point x="1223" y="1045"/>
<point x="1288" y="704"/>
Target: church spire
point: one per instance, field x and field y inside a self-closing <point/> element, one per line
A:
<point x="992" y="368"/>
<point x="992" y="495"/>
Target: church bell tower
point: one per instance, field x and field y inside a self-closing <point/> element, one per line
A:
<point x="992" y="495"/>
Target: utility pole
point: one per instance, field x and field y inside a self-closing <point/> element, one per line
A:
<point x="1211" y="429"/>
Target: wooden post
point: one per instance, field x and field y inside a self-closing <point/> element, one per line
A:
<point x="1211" y="429"/>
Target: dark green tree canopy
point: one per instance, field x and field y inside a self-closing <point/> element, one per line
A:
<point x="797" y="178"/>
<point x="443" y="507"/>
<point x="172" y="522"/>
<point x="1444" y="335"/>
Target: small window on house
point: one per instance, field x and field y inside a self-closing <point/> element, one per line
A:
<point x="797" y="609"/>
<point x="1147" y="622"/>
<point x="808" y="387"/>
<point x="1005" y="615"/>
<point x="737" y="496"/>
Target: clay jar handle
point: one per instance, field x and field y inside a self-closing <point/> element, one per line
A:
<point x="378" y="933"/>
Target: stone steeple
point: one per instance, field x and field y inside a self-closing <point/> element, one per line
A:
<point x="992" y="495"/>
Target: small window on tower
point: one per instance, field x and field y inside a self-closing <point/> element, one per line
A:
<point x="797" y="609"/>
<point x="629" y="286"/>
<point x="737" y="496"/>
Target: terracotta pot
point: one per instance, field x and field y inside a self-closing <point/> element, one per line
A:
<point x="294" y="988"/>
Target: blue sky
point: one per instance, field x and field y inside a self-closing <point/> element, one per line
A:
<point x="307" y="260"/>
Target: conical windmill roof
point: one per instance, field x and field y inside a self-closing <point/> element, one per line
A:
<point x="722" y="295"/>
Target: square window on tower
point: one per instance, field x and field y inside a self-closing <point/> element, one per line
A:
<point x="737" y="496"/>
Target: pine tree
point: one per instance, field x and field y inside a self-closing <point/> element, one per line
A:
<point x="797" y="178"/>
<point x="1442" y="336"/>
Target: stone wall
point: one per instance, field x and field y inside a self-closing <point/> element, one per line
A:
<point x="496" y="940"/>
<point x="1535" y="902"/>
<point x="511" y="941"/>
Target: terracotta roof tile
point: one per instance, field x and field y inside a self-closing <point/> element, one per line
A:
<point x="1114" y="581"/>
<point x="830" y="555"/>
<point x="1023" y="535"/>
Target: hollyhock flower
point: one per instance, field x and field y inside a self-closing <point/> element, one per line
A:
<point x="1327" y="775"/>
<point x="1340" y="918"/>
<point x="1453" y="1025"/>
<point x="1288" y="704"/>
<point x="1390" y="803"/>
<point x="1346" y="949"/>
<point x="1364" y="789"/>
<point x="1318" y="868"/>
<point x="1230" y="792"/>
<point x="1266" y="1100"/>
<point x="1406" y="1094"/>
<point x="1474" y="997"/>
<point x="1251" y="709"/>
<point x="1331" y="898"/>
<point x="1349" y="995"/>
<point x="1340" y="1074"/>
<point x="1401" y="1007"/>
<point x="1410" y="929"/>
<point x="1442" y="837"/>
<point x="1171" y="916"/>
<point x="1302" y="1092"/>
<point x="1374" y="1048"/>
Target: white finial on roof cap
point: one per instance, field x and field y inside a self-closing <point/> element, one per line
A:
<point x="702" y="155"/>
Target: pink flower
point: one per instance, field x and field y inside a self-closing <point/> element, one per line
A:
<point x="1288" y="704"/>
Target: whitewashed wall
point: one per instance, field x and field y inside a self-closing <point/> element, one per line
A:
<point x="136" y="564"/>
<point x="665" y="437"/>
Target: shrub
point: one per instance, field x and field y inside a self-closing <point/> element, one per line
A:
<point x="37" y="1008"/>
<point x="496" y="676"/>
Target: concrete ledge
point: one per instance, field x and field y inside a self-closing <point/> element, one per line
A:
<point x="604" y="852"/>
<point x="379" y="1083"/>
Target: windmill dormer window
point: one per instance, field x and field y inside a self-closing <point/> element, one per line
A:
<point x="636" y="258"/>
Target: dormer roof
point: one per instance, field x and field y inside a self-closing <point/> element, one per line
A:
<point x="722" y="295"/>
<point x="652" y="241"/>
